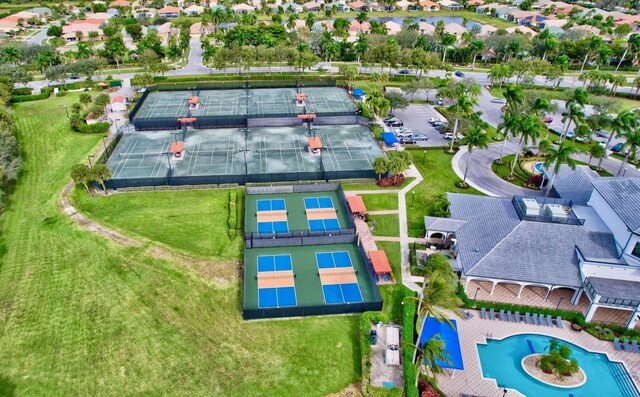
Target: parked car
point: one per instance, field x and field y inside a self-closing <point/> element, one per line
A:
<point x="439" y="102"/>
<point x="547" y="120"/>
<point x="390" y="118"/>
<point x="437" y="123"/>
<point x="395" y="123"/>
<point x="403" y="71"/>
<point x="441" y="126"/>
<point x="373" y="337"/>
<point x="501" y="101"/>
<point x="582" y="139"/>
<point x="407" y="140"/>
<point x="570" y="135"/>
<point x="459" y="74"/>
<point x="420" y="137"/>
<point x="603" y="143"/>
<point x="433" y="120"/>
<point x="74" y="77"/>
<point x="603" y="134"/>
<point x="449" y="136"/>
<point x="617" y="147"/>
<point x="404" y="134"/>
<point x="403" y="129"/>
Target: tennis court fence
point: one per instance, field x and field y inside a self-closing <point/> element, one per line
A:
<point x="369" y="266"/>
<point x="299" y="238"/>
<point x="321" y="187"/>
<point x="317" y="310"/>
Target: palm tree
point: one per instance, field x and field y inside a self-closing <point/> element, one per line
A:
<point x="557" y="157"/>
<point x="431" y="354"/>
<point x="579" y="96"/>
<point x="475" y="47"/>
<point x="596" y="151"/>
<point x="624" y="121"/>
<point x="362" y="17"/>
<point x="291" y="22"/>
<point x="446" y="40"/>
<point x="530" y="130"/>
<point x="380" y="165"/>
<point x="509" y="126"/>
<point x="462" y="108"/>
<point x="81" y="174"/>
<point x="475" y="137"/>
<point x="514" y="95"/>
<point x="631" y="145"/>
<point x="573" y="114"/>
<point x="101" y="173"/>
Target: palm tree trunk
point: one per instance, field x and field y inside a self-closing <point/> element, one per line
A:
<point x="88" y="190"/>
<point x="622" y="59"/>
<point x="589" y="162"/>
<point x="466" y="169"/>
<point x="104" y="188"/>
<point x="515" y="159"/>
<point x="455" y="133"/>
<point x="553" y="177"/>
<point x="473" y="65"/>
<point x="624" y="163"/>
<point x="504" y="143"/>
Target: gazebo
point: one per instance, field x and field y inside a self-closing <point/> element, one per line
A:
<point x="381" y="267"/>
<point x="356" y="205"/>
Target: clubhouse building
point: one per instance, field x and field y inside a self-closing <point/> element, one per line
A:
<point x="586" y="240"/>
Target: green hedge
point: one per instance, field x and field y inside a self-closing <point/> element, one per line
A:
<point x="28" y="98"/>
<point x="233" y="214"/>
<point x="22" y="91"/>
<point x="97" y="128"/>
<point x="408" y="331"/>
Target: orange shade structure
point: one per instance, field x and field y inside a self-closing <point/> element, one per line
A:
<point x="314" y="143"/>
<point x="300" y="97"/>
<point x="380" y="262"/>
<point x="186" y="119"/>
<point x="193" y="100"/>
<point x="309" y="116"/>
<point x="177" y="147"/>
<point x="356" y="205"/>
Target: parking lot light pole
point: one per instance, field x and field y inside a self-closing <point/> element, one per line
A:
<point x="104" y="142"/>
<point x="424" y="157"/>
<point x="89" y="158"/>
<point x="413" y="195"/>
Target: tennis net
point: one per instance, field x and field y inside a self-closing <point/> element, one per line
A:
<point x="337" y="272"/>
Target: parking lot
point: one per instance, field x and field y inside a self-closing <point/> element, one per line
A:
<point x="415" y="118"/>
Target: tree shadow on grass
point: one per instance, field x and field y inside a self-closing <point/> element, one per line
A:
<point x="7" y="387"/>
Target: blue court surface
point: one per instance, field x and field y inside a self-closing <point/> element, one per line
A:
<point x="273" y="263"/>
<point x="342" y="293"/>
<point x="273" y="227"/>
<point x="276" y="297"/>
<point x="329" y="260"/>
<point x="271" y="205"/>
<point x="324" y="225"/>
<point x="312" y="203"/>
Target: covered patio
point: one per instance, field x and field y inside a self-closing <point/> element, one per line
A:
<point x="381" y="267"/>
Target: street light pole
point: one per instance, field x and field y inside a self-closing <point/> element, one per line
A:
<point x="104" y="142"/>
<point x="66" y="110"/>
<point x="560" y="301"/>
<point x="413" y="195"/>
<point x="476" y="294"/>
<point x="424" y="157"/>
<point x="89" y="157"/>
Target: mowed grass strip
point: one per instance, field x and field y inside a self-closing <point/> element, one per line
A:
<point x="386" y="225"/>
<point x="380" y="202"/>
<point x="84" y="316"/>
<point x="392" y="295"/>
<point x="194" y="221"/>
<point x="439" y="177"/>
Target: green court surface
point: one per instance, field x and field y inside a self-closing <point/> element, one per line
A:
<point x="308" y="288"/>
<point x="241" y="102"/>
<point x="294" y="203"/>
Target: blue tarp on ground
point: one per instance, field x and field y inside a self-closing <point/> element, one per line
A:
<point x="358" y="93"/>
<point x="389" y="138"/>
<point x="450" y="336"/>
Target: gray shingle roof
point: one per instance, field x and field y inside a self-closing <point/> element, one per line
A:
<point x="442" y="224"/>
<point x="494" y="243"/>
<point x="623" y="195"/>
<point x="575" y="185"/>
<point x="613" y="288"/>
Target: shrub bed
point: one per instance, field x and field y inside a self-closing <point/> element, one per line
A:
<point x="408" y="338"/>
<point x="97" y="128"/>
<point x="28" y="98"/>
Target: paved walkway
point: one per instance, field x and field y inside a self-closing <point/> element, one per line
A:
<point x="383" y="212"/>
<point x="404" y="234"/>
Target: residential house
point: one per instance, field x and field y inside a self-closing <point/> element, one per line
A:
<point x="242" y="9"/>
<point x="113" y="12"/>
<point x="534" y="21"/>
<point x="503" y="12"/>
<point x="523" y="30"/>
<point x="82" y="28"/>
<point x="587" y="29"/>
<point x="486" y="30"/>
<point x="311" y="6"/>
<point x="341" y="6"/>
<point x="377" y="6"/>
<point x="356" y="27"/>
<point x="193" y="10"/>
<point x="100" y="16"/>
<point x="560" y="7"/>
<point x="358" y="6"/>
<point x="18" y="20"/>
<point x="169" y="12"/>
<point x="165" y="31"/>
<point x="120" y="3"/>
<point x="145" y="13"/>
<point x="517" y="15"/>
<point x="292" y="7"/>
<point x="455" y="29"/>
<point x="475" y="3"/>
<point x="487" y="9"/>
<point x="426" y="28"/>
<point x="428" y="5"/>
<point x="43" y="12"/>
<point x="392" y="28"/>
<point x="450" y="5"/>
<point x="555" y="23"/>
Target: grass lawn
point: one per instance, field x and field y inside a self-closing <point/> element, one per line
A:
<point x="393" y="294"/>
<point x="386" y="225"/>
<point x="439" y="177"/>
<point x="377" y="202"/>
<point x="194" y="221"/>
<point x="84" y="316"/>
<point x="373" y="186"/>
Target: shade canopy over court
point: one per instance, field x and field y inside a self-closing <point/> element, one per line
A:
<point x="356" y="205"/>
<point x="380" y="262"/>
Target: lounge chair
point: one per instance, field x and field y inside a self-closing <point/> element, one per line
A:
<point x="616" y="344"/>
<point x="509" y="316"/>
<point x="492" y="314"/>
<point x="517" y="317"/>
<point x="559" y="322"/>
<point x="634" y="344"/>
<point x="549" y="320"/>
<point x="534" y="319"/>
<point x="483" y="313"/>
<point x="527" y="319"/>
<point x="502" y="317"/>
<point x="626" y="344"/>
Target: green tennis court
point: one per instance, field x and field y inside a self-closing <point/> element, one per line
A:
<point x="296" y="209"/>
<point x="309" y="289"/>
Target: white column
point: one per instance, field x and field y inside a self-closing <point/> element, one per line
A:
<point x="520" y="292"/>
<point x="466" y="284"/>
<point x="592" y="308"/>
<point x="493" y="287"/>
<point x="576" y="296"/>
<point x="546" y="298"/>
<point x="633" y="320"/>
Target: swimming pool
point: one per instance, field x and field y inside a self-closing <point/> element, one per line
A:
<point x="449" y="335"/>
<point x="500" y="360"/>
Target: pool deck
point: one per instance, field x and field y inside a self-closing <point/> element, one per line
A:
<point x="475" y="330"/>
